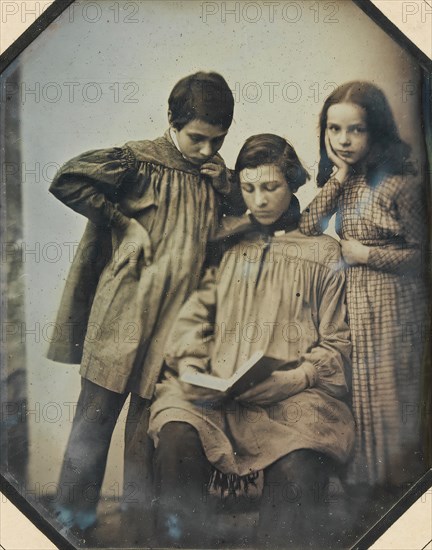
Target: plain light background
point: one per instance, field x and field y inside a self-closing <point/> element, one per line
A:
<point x="150" y="57"/>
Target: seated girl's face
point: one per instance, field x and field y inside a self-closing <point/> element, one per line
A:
<point x="265" y="192"/>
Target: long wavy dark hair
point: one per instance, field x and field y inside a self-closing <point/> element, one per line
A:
<point x="388" y="153"/>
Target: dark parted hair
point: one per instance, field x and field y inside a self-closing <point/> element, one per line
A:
<point x="272" y="149"/>
<point x="388" y="153"/>
<point x="203" y="96"/>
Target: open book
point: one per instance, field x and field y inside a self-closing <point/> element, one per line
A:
<point x="255" y="370"/>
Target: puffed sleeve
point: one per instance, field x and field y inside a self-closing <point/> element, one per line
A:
<point x="315" y="217"/>
<point x="92" y="184"/>
<point x="400" y="259"/>
<point x="193" y="331"/>
<point x="328" y="362"/>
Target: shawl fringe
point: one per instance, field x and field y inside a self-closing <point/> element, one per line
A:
<point x="232" y="484"/>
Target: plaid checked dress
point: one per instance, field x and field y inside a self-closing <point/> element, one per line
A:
<point x="386" y="302"/>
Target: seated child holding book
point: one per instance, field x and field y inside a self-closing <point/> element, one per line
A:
<point x="281" y="293"/>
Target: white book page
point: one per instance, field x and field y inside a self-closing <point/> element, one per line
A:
<point x="205" y="380"/>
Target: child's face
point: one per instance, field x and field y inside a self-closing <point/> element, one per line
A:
<point x="265" y="192"/>
<point x="348" y="132"/>
<point x="199" y="141"/>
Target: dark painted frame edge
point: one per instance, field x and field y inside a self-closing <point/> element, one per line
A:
<point x="32" y="32"/>
<point x="32" y="514"/>
<point x="423" y="484"/>
<point x="6" y="58"/>
<point x="394" y="32"/>
<point x="396" y="511"/>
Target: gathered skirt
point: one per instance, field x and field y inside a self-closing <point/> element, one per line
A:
<point x="387" y="317"/>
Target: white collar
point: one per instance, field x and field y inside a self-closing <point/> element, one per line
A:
<point x="174" y="138"/>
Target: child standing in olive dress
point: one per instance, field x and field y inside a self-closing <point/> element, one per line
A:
<point x="151" y="205"/>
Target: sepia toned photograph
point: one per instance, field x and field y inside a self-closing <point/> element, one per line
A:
<point x="215" y="274"/>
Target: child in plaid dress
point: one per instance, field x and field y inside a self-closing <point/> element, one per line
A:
<point x="367" y="180"/>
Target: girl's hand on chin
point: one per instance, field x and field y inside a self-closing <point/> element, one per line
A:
<point x="342" y="168"/>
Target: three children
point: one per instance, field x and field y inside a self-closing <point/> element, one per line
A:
<point x="152" y="206"/>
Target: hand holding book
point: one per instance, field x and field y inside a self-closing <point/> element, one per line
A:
<point x="278" y="386"/>
<point x="256" y="369"/>
<point x="195" y="392"/>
